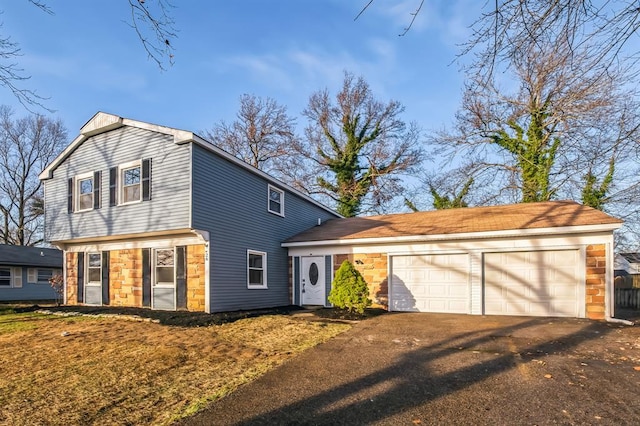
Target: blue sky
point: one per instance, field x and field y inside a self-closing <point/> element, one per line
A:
<point x="86" y="58"/>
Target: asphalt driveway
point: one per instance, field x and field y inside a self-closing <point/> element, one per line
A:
<point x="412" y="369"/>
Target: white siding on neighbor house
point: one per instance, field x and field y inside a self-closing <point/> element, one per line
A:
<point x="170" y="186"/>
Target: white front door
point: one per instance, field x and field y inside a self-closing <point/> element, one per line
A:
<point x="312" y="281"/>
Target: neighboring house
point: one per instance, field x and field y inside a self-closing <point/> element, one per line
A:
<point x="627" y="270"/>
<point x="538" y="259"/>
<point x="151" y="216"/>
<point x="25" y="272"/>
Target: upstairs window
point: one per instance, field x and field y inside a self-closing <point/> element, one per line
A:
<point x="276" y="201"/>
<point x="84" y="189"/>
<point x="83" y="192"/>
<point x="131" y="184"/>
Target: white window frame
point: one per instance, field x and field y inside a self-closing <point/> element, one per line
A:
<point x="33" y="275"/>
<point x="263" y="269"/>
<point x="10" y="277"/>
<point x="76" y="190"/>
<point x="281" y="192"/>
<point x="154" y="280"/>
<point x="121" y="169"/>
<point x="87" y="267"/>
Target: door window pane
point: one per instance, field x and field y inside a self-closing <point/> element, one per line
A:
<point x="94" y="268"/>
<point x="164" y="267"/>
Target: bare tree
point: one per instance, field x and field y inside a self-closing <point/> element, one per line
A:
<point x="509" y="26"/>
<point x="150" y="19"/>
<point x="154" y="24"/>
<point x="262" y="134"/>
<point x="27" y="145"/>
<point x="537" y="141"/>
<point x="356" y="148"/>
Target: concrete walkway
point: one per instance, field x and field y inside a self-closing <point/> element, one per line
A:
<point x="412" y="369"/>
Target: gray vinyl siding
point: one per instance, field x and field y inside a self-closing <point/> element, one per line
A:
<point x="231" y="203"/>
<point x="170" y="187"/>
<point x="28" y="291"/>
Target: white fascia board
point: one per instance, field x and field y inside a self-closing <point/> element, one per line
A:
<point x="179" y="136"/>
<point x="460" y="236"/>
<point x="236" y="161"/>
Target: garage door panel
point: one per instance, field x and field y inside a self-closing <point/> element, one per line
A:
<point x="430" y="283"/>
<point x="538" y="283"/>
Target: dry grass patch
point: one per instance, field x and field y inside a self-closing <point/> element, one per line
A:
<point x="110" y="371"/>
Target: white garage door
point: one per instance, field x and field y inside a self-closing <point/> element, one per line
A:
<point x="430" y="283"/>
<point x="536" y="283"/>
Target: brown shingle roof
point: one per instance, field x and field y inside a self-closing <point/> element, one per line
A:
<point x="550" y="214"/>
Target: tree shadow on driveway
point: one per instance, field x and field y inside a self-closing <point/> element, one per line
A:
<point x="527" y="371"/>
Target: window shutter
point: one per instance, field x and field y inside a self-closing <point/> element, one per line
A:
<point x="113" y="186"/>
<point x="16" y="277"/>
<point x="97" y="184"/>
<point x="146" y="277"/>
<point x="70" y="195"/>
<point x="32" y="275"/>
<point x="105" y="277"/>
<point x="181" y="278"/>
<point x="146" y="179"/>
<point x="80" y="277"/>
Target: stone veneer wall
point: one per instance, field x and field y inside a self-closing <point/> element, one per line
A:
<point x="72" y="278"/>
<point x="596" y="273"/>
<point x="195" y="278"/>
<point x="125" y="277"/>
<point x="373" y="267"/>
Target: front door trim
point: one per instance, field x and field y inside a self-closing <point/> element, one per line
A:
<point x="312" y="281"/>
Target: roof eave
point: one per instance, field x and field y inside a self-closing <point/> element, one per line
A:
<point x="608" y="227"/>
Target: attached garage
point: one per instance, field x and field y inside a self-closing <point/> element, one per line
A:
<point x="430" y="283"/>
<point x="535" y="259"/>
<point x="533" y="283"/>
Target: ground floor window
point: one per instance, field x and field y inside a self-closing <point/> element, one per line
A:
<point x="41" y="275"/>
<point x="5" y="277"/>
<point x="256" y="269"/>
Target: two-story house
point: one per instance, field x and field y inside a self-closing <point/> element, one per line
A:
<point x="151" y="216"/>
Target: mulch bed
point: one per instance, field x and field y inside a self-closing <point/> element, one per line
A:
<point x="202" y="319"/>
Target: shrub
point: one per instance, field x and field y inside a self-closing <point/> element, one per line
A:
<point x="349" y="289"/>
<point x="57" y="283"/>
